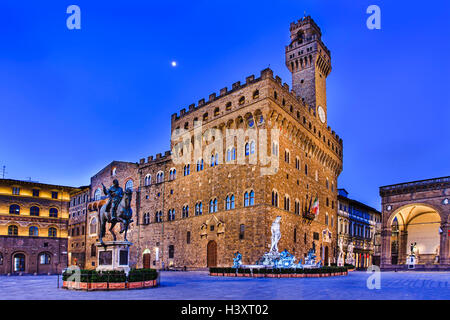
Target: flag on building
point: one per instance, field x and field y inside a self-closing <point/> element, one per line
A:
<point x="315" y="207"/>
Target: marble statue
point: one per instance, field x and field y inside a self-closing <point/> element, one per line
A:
<point x="276" y="234"/>
<point x="350" y="255"/>
<point x="340" y="260"/>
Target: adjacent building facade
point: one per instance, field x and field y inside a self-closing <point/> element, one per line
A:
<point x="416" y="213"/>
<point x="77" y="235"/>
<point x="360" y="224"/>
<point x="33" y="227"/>
<point x="240" y="159"/>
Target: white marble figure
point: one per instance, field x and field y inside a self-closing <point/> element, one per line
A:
<point x="276" y="234"/>
<point x="340" y="261"/>
<point x="350" y="255"/>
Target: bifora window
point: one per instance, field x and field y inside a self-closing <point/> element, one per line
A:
<point x="213" y="205"/>
<point x="249" y="198"/>
<point x="229" y="202"/>
<point x="198" y="209"/>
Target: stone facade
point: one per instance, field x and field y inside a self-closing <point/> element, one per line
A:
<point x="310" y="160"/>
<point x="300" y="160"/>
<point x="77" y="226"/>
<point x="33" y="227"/>
<point x="416" y="212"/>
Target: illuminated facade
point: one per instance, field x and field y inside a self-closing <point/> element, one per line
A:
<point x="360" y="224"/>
<point x="416" y="213"/>
<point x="33" y="227"/>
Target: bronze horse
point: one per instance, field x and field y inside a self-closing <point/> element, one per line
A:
<point x="124" y="214"/>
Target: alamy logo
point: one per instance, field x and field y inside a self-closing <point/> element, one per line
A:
<point x="230" y="146"/>
<point x="75" y="274"/>
<point x="374" y="280"/>
<point x="74" y="20"/>
<point x="374" y="20"/>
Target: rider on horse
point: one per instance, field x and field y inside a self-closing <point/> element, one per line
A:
<point x="115" y="194"/>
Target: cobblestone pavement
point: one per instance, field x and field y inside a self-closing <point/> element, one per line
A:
<point x="199" y="285"/>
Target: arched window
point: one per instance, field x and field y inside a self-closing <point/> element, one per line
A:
<point x="275" y="198"/>
<point x="216" y="112"/>
<point x="160" y="177"/>
<point x="97" y="194"/>
<point x="33" y="231"/>
<point x="14" y="209"/>
<point x="231" y="154"/>
<point x="129" y="185"/>
<point x="172" y="174"/>
<point x="297" y="163"/>
<point x="186" y="212"/>
<point x="229" y="202"/>
<point x="274" y="148"/>
<point x="148" y="180"/>
<point x="252" y="147"/>
<point x="249" y="198"/>
<point x="1" y="259"/>
<point x="52" y="232"/>
<point x="187" y="169"/>
<point x="200" y="165"/>
<point x="19" y="262"/>
<point x="213" y="205"/>
<point x="146" y="218"/>
<point x="287" y="155"/>
<point x="44" y="258"/>
<point x="256" y="94"/>
<point x="34" y="211"/>
<point x="93" y="226"/>
<point x="53" y="213"/>
<point x="241" y="100"/>
<point x="13" y="231"/>
<point x="171" y="215"/>
<point x="297" y="207"/>
<point x="93" y="250"/>
<point x="287" y="203"/>
<point x="326" y="218"/>
<point x="198" y="209"/>
<point x="247" y="149"/>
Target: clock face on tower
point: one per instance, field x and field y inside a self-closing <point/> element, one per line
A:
<point x="321" y="114"/>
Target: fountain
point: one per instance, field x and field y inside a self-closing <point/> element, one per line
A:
<point x="275" y="259"/>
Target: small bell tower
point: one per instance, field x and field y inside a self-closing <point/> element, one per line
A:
<point x="309" y="61"/>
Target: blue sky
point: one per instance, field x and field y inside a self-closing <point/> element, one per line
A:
<point x="73" y="101"/>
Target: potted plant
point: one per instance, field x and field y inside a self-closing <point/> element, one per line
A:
<point x="135" y="279"/>
<point x="85" y="279"/>
<point x="99" y="281"/>
<point x="116" y="280"/>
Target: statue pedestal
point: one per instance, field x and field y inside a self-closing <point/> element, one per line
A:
<point x="115" y="255"/>
<point x="411" y="261"/>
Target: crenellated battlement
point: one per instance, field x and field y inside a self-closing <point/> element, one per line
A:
<point x="236" y="86"/>
<point x="304" y="22"/>
<point x="266" y="73"/>
<point x="158" y="158"/>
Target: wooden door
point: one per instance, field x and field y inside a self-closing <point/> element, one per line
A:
<point x="146" y="261"/>
<point x="211" y="254"/>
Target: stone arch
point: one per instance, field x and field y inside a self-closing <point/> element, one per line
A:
<point x="417" y="223"/>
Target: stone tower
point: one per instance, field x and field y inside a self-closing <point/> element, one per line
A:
<point x="309" y="61"/>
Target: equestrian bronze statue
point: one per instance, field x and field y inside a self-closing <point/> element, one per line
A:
<point x="117" y="210"/>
